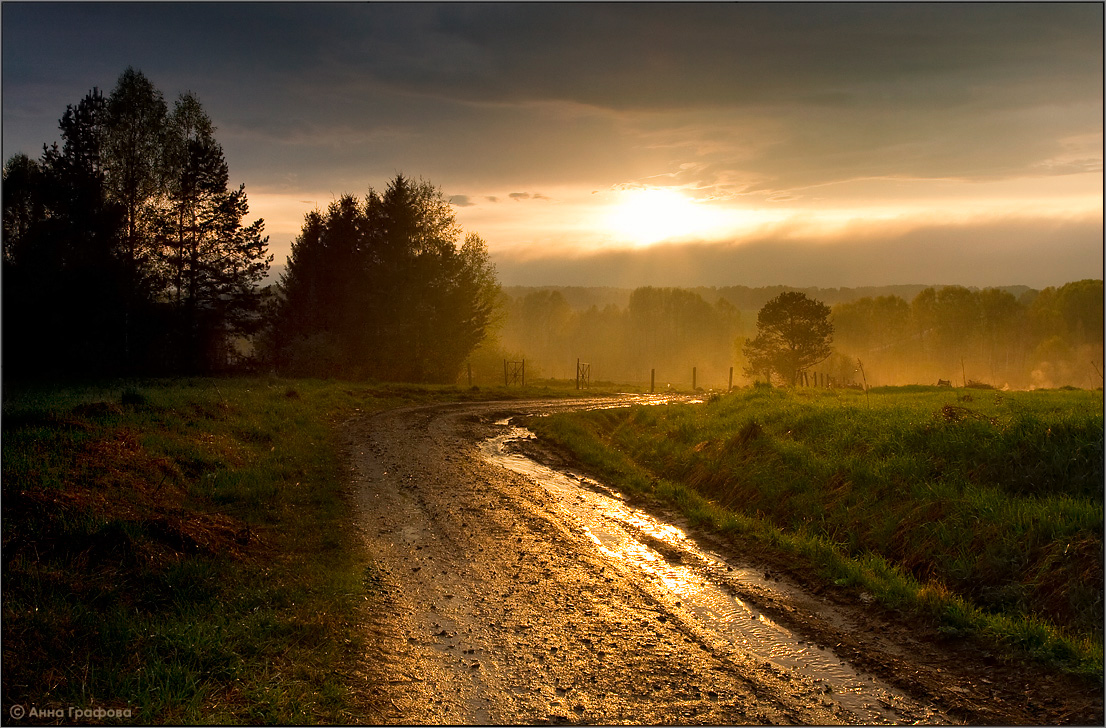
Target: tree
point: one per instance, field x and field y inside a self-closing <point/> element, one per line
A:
<point x="383" y="289"/>
<point x="23" y="205"/>
<point x="542" y="325"/>
<point x="876" y="330"/>
<point x="61" y="279"/>
<point x="793" y="334"/>
<point x="134" y="159"/>
<point x="124" y="248"/>
<point x="212" y="263"/>
<point x="674" y="329"/>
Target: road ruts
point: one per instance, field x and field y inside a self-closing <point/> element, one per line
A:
<point x="495" y="612"/>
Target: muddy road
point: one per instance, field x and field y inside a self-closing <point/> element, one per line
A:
<point x="516" y="590"/>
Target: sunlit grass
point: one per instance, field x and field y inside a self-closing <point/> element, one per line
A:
<point x="983" y="514"/>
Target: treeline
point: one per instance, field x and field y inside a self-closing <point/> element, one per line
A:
<point x="748" y="299"/>
<point x="670" y="330"/>
<point x="125" y="253"/>
<point x="1046" y="338"/>
<point x="125" y="248"/>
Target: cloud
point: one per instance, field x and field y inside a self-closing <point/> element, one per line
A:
<point x="999" y="252"/>
<point x="765" y="105"/>
<point x="757" y="98"/>
<point x="704" y="54"/>
<point x="461" y="201"/>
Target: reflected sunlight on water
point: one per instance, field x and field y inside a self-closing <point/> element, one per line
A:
<point x="696" y="584"/>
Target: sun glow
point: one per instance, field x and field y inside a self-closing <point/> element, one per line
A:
<point x="653" y="215"/>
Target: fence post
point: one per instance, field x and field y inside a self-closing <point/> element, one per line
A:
<point x="504" y="372"/>
<point x="730" y="386"/>
<point x="470" y="374"/>
<point x="693" y="379"/>
<point x="652" y="380"/>
<point x="577" y="372"/>
<point x="524" y="374"/>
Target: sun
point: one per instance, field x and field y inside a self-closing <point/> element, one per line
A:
<point x="652" y="215"/>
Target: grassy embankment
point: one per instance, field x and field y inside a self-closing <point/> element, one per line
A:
<point x="980" y="511"/>
<point x="186" y="549"/>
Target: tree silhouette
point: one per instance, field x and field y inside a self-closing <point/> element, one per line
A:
<point x="793" y="334"/>
<point x="382" y="289"/>
<point x="124" y="249"/>
<point x="61" y="278"/>
<point x="212" y="263"/>
<point x="133" y="158"/>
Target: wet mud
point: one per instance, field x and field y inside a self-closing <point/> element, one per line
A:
<point x="512" y="588"/>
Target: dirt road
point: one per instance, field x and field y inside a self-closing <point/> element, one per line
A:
<point x="518" y="593"/>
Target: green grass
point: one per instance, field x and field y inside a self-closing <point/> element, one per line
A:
<point x="185" y="548"/>
<point x="176" y="556"/>
<point x="980" y="510"/>
<point x="190" y="555"/>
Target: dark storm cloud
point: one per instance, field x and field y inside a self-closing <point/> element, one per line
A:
<point x="927" y="82"/>
<point x="669" y="55"/>
<point x="621" y="56"/>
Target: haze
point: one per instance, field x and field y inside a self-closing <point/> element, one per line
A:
<point x="637" y="144"/>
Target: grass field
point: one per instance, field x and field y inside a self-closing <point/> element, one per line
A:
<point x="980" y="510"/>
<point x="185" y="549"/>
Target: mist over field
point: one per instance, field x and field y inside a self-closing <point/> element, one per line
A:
<point x="1013" y="337"/>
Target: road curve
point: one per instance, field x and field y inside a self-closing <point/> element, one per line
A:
<point x="496" y="606"/>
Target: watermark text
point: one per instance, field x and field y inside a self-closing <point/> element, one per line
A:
<point x="19" y="712"/>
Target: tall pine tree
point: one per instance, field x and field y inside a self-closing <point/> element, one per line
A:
<point x="213" y="264"/>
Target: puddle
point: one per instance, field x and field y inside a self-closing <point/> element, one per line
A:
<point x="695" y="582"/>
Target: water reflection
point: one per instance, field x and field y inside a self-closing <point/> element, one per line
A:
<point x="695" y="584"/>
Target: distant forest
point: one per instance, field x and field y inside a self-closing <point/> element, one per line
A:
<point x="1014" y="336"/>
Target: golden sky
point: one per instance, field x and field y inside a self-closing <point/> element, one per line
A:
<point x="625" y="144"/>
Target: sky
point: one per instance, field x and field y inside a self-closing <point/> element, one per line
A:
<point x="630" y="144"/>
